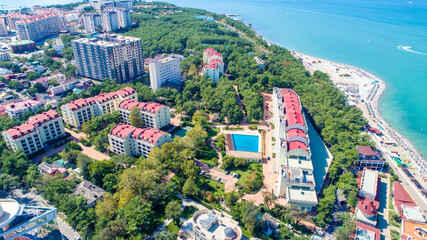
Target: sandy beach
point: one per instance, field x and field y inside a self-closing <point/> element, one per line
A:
<point x="364" y="91"/>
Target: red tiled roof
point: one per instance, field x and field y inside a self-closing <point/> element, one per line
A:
<point x="122" y="130"/>
<point x="214" y="53"/>
<point x="43" y="117"/>
<point x="150" y="107"/>
<point x="216" y="61"/>
<point x="150" y="135"/>
<point x="21" y="130"/>
<point x="22" y="105"/>
<point x="80" y="103"/>
<point x="214" y="65"/>
<point x="368" y="206"/>
<point x="103" y="97"/>
<point x="366" y="151"/>
<point x="295" y="132"/>
<point x="401" y="196"/>
<point x="365" y="227"/>
<point x="125" y="91"/>
<point x="209" y="50"/>
<point x="297" y="145"/>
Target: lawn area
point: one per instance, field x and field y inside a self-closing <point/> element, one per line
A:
<point x="245" y="172"/>
<point x="188" y="212"/>
<point x="208" y="155"/>
<point x="208" y="184"/>
<point x="213" y="131"/>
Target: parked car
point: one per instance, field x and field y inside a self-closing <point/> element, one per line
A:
<point x="227" y="172"/>
<point x="320" y="232"/>
<point x="289" y="226"/>
<point x="202" y="173"/>
<point x="234" y="174"/>
<point x="218" y="179"/>
<point x="238" y="176"/>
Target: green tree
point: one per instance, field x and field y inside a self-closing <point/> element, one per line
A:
<point x="197" y="137"/>
<point x="31" y="76"/>
<point x="173" y="210"/>
<point x="135" y="117"/>
<point x="33" y="176"/>
<point x="15" y="163"/>
<point x="68" y="53"/>
<point x="347" y="228"/>
<point x="189" y="188"/>
<point x="138" y="216"/>
<point x="39" y="87"/>
<point x="50" y="53"/>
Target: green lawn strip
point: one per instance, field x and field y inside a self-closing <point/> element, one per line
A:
<point x="188" y="212"/>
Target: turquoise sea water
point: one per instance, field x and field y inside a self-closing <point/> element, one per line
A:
<point x="245" y="143"/>
<point x="362" y="33"/>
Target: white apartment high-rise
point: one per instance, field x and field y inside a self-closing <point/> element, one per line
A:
<point x="3" y="29"/>
<point x="90" y="21"/>
<point x="155" y="115"/>
<point x="109" y="56"/>
<point x="165" y="70"/>
<point x="38" y="27"/>
<point x="35" y="133"/>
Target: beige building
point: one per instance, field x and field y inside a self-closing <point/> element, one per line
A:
<point x="214" y="65"/>
<point x="125" y="139"/>
<point x="82" y="110"/>
<point x="155" y="115"/>
<point x="35" y="133"/>
<point x="38" y="27"/>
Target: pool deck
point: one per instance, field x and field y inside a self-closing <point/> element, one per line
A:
<point x="245" y="154"/>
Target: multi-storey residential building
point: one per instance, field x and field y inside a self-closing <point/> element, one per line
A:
<point x="4" y="56"/>
<point x="165" y="70"/>
<point x="214" y="67"/>
<point x="3" y="29"/>
<point x="125" y="139"/>
<point x="293" y="155"/>
<point x="109" y="56"/>
<point x="101" y="4"/>
<point x="58" y="45"/>
<point x="114" y="18"/>
<point x="369" y="158"/>
<point x="91" y="21"/>
<point x="35" y="133"/>
<point x="367" y="208"/>
<point x="22" y="46"/>
<point x="82" y="110"/>
<point x="15" y="110"/>
<point x="155" y="115"/>
<point x="38" y="27"/>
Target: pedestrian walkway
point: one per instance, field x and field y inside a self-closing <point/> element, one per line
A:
<point x="90" y="151"/>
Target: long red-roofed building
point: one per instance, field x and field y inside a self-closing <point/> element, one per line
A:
<point x="35" y="133"/>
<point x="296" y="180"/>
<point x="126" y="139"/>
<point x="77" y="112"/>
<point x="155" y="115"/>
<point x="406" y="207"/>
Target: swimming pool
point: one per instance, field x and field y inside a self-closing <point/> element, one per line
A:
<point x="245" y="143"/>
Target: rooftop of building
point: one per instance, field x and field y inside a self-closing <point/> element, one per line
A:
<point x="213" y="225"/>
<point x="369" y="182"/>
<point x="89" y="191"/>
<point x="417" y="231"/>
<point x="402" y="197"/>
<point x="43" y="117"/>
<point x="361" y="217"/>
<point x="149" y="135"/>
<point x="40" y="16"/>
<point x="366" y="151"/>
<point x="80" y="103"/>
<point x="302" y="194"/>
<point x="366" y="232"/>
<point x="53" y="167"/>
<point x="213" y="65"/>
<point x="19" y="106"/>
<point x="368" y="206"/>
<point x="300" y="163"/>
<point x="149" y="107"/>
<point x="412" y="213"/>
<point x="23" y="42"/>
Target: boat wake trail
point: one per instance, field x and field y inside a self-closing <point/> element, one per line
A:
<point x="408" y="48"/>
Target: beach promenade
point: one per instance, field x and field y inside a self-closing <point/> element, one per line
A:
<point x="363" y="91"/>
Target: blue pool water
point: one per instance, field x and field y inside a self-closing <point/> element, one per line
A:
<point x="246" y="143"/>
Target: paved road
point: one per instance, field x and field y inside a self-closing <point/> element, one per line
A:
<point x="383" y="209"/>
<point x="22" y="196"/>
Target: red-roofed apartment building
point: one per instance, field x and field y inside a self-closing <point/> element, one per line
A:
<point x="405" y="205"/>
<point x="367" y="208"/>
<point x="155" y="115"/>
<point x="214" y="65"/>
<point x="82" y="110"/>
<point x="15" y="110"/>
<point x="35" y="133"/>
<point x="368" y="158"/>
<point x="293" y="153"/>
<point x="125" y="139"/>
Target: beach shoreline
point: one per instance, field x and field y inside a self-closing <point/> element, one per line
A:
<point x="364" y="91"/>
